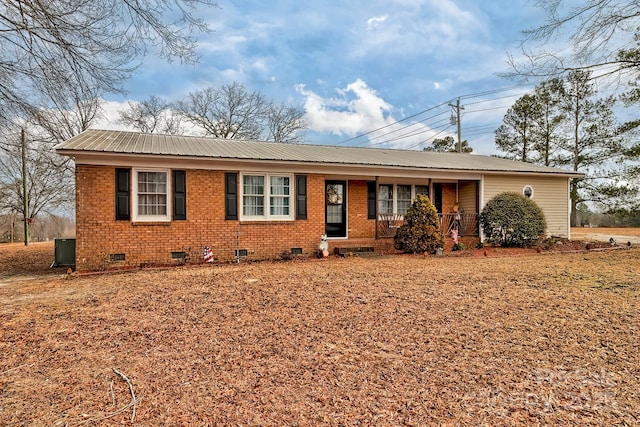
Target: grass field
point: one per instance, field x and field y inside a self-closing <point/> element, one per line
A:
<point x="528" y="339"/>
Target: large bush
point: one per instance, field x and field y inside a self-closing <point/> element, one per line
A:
<point x="421" y="229"/>
<point x="511" y="219"/>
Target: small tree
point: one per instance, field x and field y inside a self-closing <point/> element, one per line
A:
<point x="421" y="230"/>
<point x="448" y="145"/>
<point x="511" y="219"/>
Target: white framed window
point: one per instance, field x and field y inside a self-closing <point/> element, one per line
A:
<point x="151" y="190"/>
<point x="266" y="196"/>
<point x="422" y="189"/>
<point x="527" y="191"/>
<point x="404" y="199"/>
<point x="396" y="199"/>
<point x="385" y="199"/>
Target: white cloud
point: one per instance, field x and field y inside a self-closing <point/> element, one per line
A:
<point x="342" y="116"/>
<point x="360" y="110"/>
<point x="426" y="27"/>
<point x="110" y="115"/>
<point x="375" y="21"/>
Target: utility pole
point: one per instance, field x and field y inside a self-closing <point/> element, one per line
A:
<point x="457" y="107"/>
<point x="25" y="187"/>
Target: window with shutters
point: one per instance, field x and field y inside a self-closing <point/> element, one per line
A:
<point x="151" y="190"/>
<point x="266" y="196"/>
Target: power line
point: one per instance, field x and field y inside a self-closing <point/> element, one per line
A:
<point x="404" y="127"/>
<point x="370" y="142"/>
<point x="391" y="124"/>
<point x="495" y="99"/>
<point x="408" y="135"/>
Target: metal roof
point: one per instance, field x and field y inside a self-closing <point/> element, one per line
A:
<point x="134" y="143"/>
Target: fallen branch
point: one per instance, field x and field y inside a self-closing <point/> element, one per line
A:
<point x="16" y="367"/>
<point x="113" y="395"/>
<point x="134" y="399"/>
<point x="132" y="404"/>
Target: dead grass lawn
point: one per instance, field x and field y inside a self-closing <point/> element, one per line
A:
<point x="538" y="339"/>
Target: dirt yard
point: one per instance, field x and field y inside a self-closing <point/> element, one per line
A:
<point x="545" y="338"/>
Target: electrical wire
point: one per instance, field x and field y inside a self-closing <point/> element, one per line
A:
<point x="391" y="124"/>
<point x="373" y="141"/>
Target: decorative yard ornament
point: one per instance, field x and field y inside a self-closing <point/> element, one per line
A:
<point x="454" y="235"/>
<point x="208" y="254"/>
<point x="323" y="247"/>
<point x="333" y="195"/>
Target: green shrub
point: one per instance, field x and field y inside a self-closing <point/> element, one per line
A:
<point x="511" y="219"/>
<point x="421" y="229"/>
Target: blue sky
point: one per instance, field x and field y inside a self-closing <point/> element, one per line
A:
<point x="359" y="66"/>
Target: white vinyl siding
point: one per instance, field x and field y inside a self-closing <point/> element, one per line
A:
<point x="551" y="194"/>
<point x="467" y="196"/>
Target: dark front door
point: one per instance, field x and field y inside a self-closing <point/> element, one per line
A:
<point x="336" y="208"/>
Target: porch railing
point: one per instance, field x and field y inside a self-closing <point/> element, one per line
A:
<point x="388" y="224"/>
<point x="467" y="224"/>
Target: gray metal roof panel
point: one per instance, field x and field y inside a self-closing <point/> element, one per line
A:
<point x="121" y="142"/>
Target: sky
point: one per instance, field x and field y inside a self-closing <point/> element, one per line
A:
<point x="366" y="72"/>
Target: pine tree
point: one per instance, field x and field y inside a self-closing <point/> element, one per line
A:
<point x="515" y="136"/>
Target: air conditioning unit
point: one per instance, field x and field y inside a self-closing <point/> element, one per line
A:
<point x="65" y="253"/>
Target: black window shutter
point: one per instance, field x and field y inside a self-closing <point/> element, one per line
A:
<point x="231" y="195"/>
<point x="371" y="200"/>
<point x="123" y="194"/>
<point x="179" y="195"/>
<point x="301" y="197"/>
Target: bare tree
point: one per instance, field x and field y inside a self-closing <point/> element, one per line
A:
<point x="284" y="124"/>
<point x="226" y="112"/>
<point x="232" y="112"/>
<point x="49" y="189"/>
<point x="151" y="115"/>
<point x="600" y="33"/>
<point x="91" y="43"/>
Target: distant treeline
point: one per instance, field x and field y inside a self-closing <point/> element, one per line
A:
<point x="41" y="229"/>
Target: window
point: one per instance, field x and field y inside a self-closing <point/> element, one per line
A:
<point x="385" y="199"/>
<point x="422" y="189"/>
<point x="151" y="195"/>
<point x="528" y="191"/>
<point x="404" y="198"/>
<point x="266" y="197"/>
<point x="253" y="195"/>
<point x="397" y="198"/>
<point x="279" y="200"/>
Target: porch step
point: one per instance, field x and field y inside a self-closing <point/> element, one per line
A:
<point x="356" y="250"/>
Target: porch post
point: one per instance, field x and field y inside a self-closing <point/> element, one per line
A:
<point x="376" y="211"/>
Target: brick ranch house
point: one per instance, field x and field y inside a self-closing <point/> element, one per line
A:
<point x="147" y="199"/>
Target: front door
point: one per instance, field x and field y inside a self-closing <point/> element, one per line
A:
<point x="336" y="208"/>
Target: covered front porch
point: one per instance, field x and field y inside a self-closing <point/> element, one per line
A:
<point x="373" y="226"/>
<point x="456" y="204"/>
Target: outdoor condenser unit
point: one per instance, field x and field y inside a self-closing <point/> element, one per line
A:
<point x="65" y="253"/>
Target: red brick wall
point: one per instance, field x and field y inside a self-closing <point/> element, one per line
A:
<point x="448" y="197"/>
<point x="98" y="233"/>
<point x="359" y="225"/>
